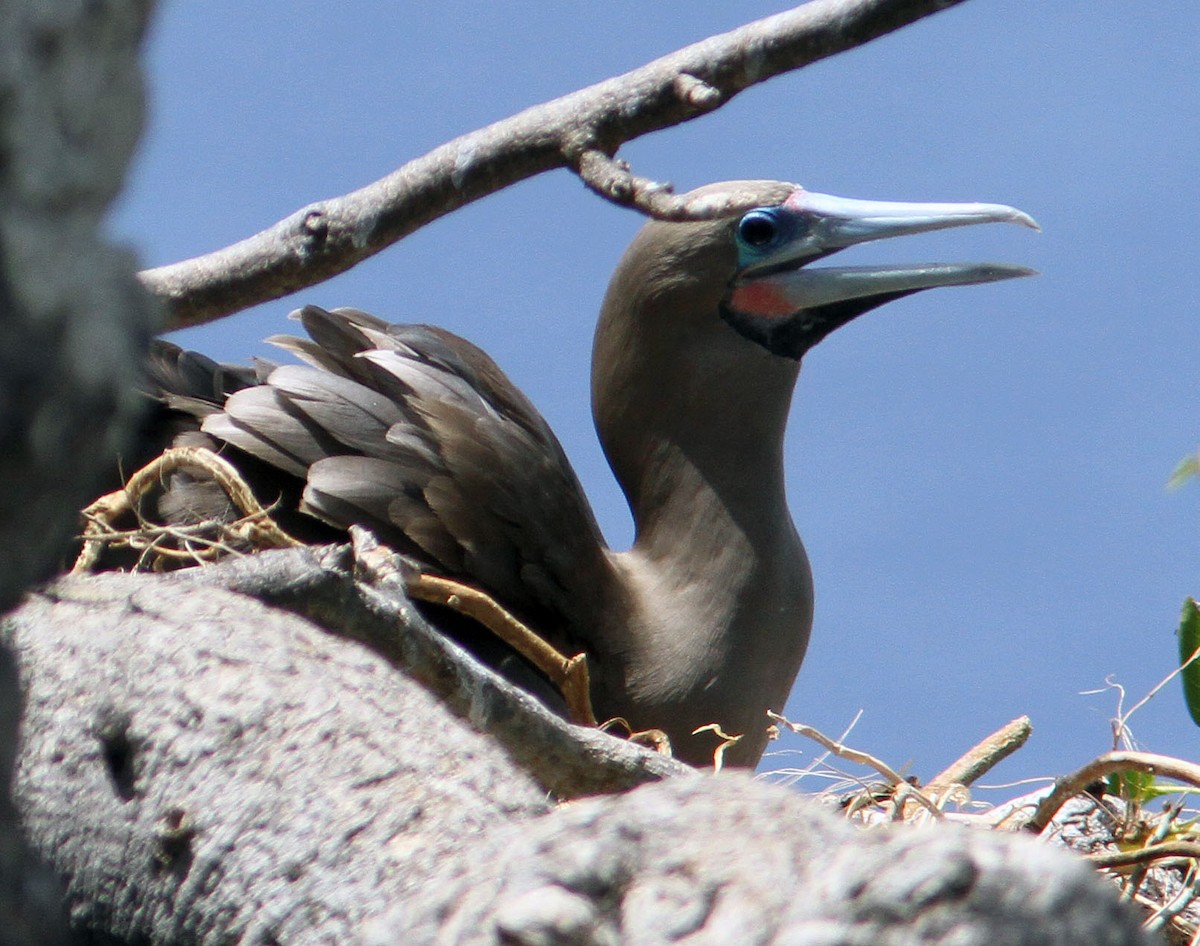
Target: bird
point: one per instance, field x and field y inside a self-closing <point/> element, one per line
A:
<point x="416" y="434"/>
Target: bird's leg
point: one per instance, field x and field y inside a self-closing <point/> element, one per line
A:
<point x="256" y="525"/>
<point x="568" y="674"/>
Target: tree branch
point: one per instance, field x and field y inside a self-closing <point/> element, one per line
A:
<point x="581" y="131"/>
<point x="204" y="769"/>
<point x="372" y="607"/>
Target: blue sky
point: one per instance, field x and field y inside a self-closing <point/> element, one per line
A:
<point x="978" y="473"/>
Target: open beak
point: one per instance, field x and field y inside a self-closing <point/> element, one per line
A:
<point x="780" y="295"/>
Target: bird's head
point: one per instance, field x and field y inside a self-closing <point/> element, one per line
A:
<point x="704" y="323"/>
<point x="753" y="269"/>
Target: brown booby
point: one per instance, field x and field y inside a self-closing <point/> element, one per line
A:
<point x="417" y="435"/>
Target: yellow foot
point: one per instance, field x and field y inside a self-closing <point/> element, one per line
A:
<point x="568" y="674"/>
<point x="726" y="741"/>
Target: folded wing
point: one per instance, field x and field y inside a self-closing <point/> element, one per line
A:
<point x="416" y="434"/>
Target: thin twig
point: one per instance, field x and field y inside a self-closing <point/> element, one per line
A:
<point x="1123" y="719"/>
<point x="581" y="131"/>
<point x="256" y="525"/>
<point x="1187" y="894"/>
<point x="1134" y="881"/>
<point x="856" y="756"/>
<point x="908" y="797"/>
<point x="1142" y="855"/>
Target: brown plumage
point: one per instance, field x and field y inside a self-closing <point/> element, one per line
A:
<point x="416" y="434"/>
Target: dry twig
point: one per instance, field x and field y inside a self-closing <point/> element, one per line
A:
<point x="194" y="543"/>
<point x="842" y="751"/>
<point x="980" y="759"/>
<point x="983" y="757"/>
<point x="1074" y="784"/>
<point x="1144" y="855"/>
<point x="903" y="791"/>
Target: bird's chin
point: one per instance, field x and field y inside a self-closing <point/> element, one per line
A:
<point x="791" y="335"/>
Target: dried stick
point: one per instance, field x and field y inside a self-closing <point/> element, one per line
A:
<point x="978" y="760"/>
<point x="1143" y="855"/>
<point x="1072" y="785"/>
<point x="581" y="131"/>
<point x="984" y="756"/>
<point x="257" y="526"/>
<point x="857" y="756"/>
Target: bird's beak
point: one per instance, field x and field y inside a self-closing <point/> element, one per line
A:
<point x="780" y="287"/>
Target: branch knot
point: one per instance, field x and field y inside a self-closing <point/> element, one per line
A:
<point x="697" y="93"/>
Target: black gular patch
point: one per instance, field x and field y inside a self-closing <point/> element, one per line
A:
<point x="791" y="336"/>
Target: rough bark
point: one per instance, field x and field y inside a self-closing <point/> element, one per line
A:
<point x="202" y="767"/>
<point x="73" y="321"/>
<point x="352" y="597"/>
<point x="725" y="860"/>
<point x="205" y="768"/>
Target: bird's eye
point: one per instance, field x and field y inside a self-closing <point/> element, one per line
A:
<point x="759" y="230"/>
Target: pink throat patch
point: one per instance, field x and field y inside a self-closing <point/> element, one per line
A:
<point x="762" y="298"/>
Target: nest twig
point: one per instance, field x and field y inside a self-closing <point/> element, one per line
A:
<point x="1154" y="858"/>
<point x="160" y="546"/>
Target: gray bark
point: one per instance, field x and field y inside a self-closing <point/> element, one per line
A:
<point x="73" y="318"/>
<point x="72" y="322"/>
<point x="204" y="768"/>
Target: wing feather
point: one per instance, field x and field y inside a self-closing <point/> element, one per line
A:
<point x="417" y="434"/>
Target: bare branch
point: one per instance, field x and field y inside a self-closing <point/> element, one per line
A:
<point x="978" y="760"/>
<point x="1144" y="855"/>
<point x="1159" y="766"/>
<point x="982" y="758"/>
<point x="857" y="756"/>
<point x="582" y="131"/>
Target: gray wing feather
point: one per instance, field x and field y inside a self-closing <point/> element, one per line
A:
<point x="261" y="421"/>
<point x="416" y="434"/>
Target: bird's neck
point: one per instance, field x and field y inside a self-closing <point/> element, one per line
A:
<point x="693" y="494"/>
<point x="695" y="438"/>
<point x="708" y="498"/>
<point x="720" y="595"/>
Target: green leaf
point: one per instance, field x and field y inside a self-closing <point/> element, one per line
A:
<point x="1133" y="785"/>
<point x="1189" y="644"/>
<point x="1188" y="467"/>
<point x="1142" y="787"/>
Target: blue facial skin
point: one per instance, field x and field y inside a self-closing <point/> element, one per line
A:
<point x="758" y="233"/>
<point x="761" y="232"/>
